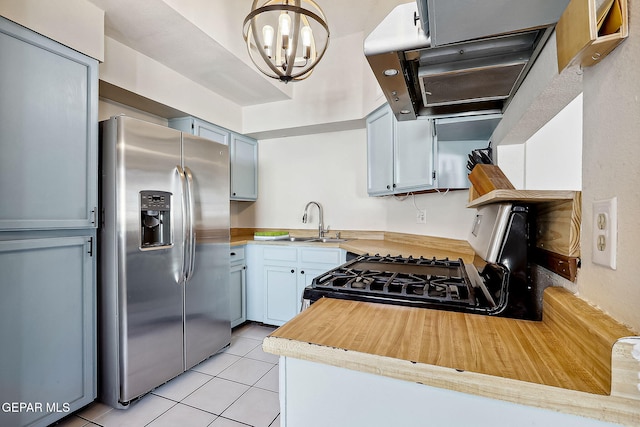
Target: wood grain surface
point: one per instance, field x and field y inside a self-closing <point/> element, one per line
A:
<point x="559" y="363"/>
<point x="530" y="196"/>
<point x="384" y="243"/>
<point x="522" y="350"/>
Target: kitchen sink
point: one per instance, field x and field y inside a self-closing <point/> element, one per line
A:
<point x="316" y="239"/>
<point x="329" y="240"/>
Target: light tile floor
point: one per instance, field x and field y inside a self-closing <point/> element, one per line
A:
<point x="237" y="387"/>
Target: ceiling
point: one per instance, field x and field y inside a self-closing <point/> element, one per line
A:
<point x="202" y="39"/>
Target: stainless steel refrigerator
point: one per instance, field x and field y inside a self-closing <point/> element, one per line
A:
<point x="164" y="255"/>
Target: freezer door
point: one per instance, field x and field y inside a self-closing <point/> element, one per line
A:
<point x="207" y="319"/>
<point x="150" y="289"/>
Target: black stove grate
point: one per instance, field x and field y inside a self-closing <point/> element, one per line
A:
<point x="415" y="279"/>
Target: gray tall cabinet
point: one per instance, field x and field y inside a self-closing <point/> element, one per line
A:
<point x="48" y="215"/>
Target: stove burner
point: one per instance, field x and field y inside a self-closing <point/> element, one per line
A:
<point x="502" y="287"/>
<point x="437" y="280"/>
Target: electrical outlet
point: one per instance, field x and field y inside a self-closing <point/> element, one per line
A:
<point x="421" y="216"/>
<point x="605" y="232"/>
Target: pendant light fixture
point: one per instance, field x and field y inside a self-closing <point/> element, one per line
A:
<point x="286" y="38"/>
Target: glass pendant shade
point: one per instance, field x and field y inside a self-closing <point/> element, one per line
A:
<point x="286" y="38"/>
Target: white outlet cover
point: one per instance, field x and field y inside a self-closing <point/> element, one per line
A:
<point x="421" y="216"/>
<point x="605" y="231"/>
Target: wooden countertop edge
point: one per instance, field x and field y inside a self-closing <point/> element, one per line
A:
<point x="615" y="409"/>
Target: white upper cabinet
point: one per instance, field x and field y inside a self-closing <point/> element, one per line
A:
<point x="243" y="154"/>
<point x="380" y="142"/>
<point x="422" y="154"/>
<point x="201" y="128"/>
<point x="399" y="154"/>
<point x="455" y="139"/>
<point x="244" y="167"/>
<point x="413" y="154"/>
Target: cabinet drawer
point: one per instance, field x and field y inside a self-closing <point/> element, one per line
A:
<point x="320" y="256"/>
<point x="280" y="253"/>
<point x="236" y="254"/>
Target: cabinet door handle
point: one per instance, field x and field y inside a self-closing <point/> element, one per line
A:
<point x="232" y="254"/>
<point x="302" y="272"/>
<point x="388" y="187"/>
<point x="292" y="270"/>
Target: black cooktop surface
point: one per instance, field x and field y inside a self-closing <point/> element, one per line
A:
<point x="441" y="281"/>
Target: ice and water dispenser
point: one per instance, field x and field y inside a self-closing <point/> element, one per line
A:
<point x="155" y="219"/>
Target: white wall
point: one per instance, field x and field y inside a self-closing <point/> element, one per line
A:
<point x="551" y="159"/>
<point x="74" y="23"/>
<point x="611" y="167"/>
<point x="511" y="159"/>
<point x="338" y="90"/>
<point x="108" y="108"/>
<point x="128" y="69"/>
<point x="554" y="153"/>
<point x="331" y="168"/>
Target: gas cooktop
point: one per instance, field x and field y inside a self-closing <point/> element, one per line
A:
<point x="501" y="287"/>
<point x="411" y="279"/>
<point x="418" y="282"/>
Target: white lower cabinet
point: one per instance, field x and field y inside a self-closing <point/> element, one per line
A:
<point x="238" y="286"/>
<point x="394" y="402"/>
<point x="280" y="284"/>
<point x="277" y="276"/>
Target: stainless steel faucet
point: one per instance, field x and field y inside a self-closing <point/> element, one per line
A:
<point x="321" y="229"/>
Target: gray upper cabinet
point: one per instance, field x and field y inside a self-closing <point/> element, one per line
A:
<point x="48" y="127"/>
<point x="413" y="154"/>
<point x="201" y="128"/>
<point x="400" y="156"/>
<point x="244" y="167"/>
<point x="455" y="138"/>
<point x="380" y="137"/>
<point x="450" y="23"/>
<point x="422" y="154"/>
<point x="243" y="154"/>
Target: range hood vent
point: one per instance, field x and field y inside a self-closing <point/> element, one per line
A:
<point x="467" y="77"/>
<point x="485" y="70"/>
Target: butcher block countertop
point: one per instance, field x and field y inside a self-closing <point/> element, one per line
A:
<point x="384" y="243"/>
<point x="576" y="360"/>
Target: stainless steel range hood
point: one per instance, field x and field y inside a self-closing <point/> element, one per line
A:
<point x="442" y="58"/>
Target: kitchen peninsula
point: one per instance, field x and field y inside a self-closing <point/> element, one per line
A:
<point x="576" y="363"/>
<point x="356" y="351"/>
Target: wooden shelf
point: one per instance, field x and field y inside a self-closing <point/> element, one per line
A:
<point x="528" y="196"/>
<point x="587" y="32"/>
<point x="558" y="219"/>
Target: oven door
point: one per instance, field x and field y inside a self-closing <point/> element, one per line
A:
<point x="488" y="231"/>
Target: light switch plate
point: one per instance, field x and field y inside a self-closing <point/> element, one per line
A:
<point x="605" y="232"/>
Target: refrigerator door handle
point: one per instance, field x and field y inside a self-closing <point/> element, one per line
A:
<point x="192" y="234"/>
<point x="185" y="220"/>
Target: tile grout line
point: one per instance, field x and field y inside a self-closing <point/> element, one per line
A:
<point x="255" y="333"/>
